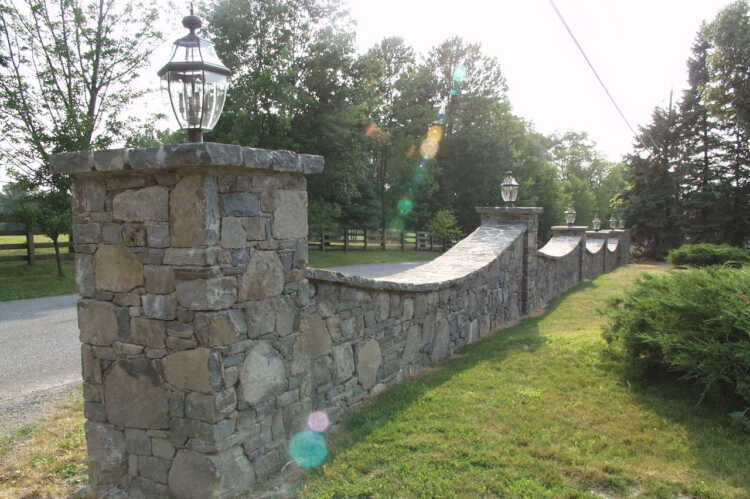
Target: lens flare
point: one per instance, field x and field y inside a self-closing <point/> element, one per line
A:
<point x="404" y="206"/>
<point x="318" y="421"/>
<point x="308" y="449"/>
<point x="459" y="73"/>
<point x="423" y="162"/>
<point x="454" y="91"/>
<point x="435" y="132"/>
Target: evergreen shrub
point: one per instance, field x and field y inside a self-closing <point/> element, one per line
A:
<point x="700" y="255"/>
<point x="695" y="323"/>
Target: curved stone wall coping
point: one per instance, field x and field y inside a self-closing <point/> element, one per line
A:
<point x="196" y="154"/>
<point x="462" y="262"/>
<point x="594" y="246"/>
<point x="560" y="247"/>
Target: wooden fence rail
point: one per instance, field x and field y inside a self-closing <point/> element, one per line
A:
<point x="29" y="245"/>
<point x="364" y="239"/>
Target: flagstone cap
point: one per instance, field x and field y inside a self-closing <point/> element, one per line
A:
<point x="197" y="154"/>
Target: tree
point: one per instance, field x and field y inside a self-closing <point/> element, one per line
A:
<point x="67" y="78"/>
<point x="47" y="212"/>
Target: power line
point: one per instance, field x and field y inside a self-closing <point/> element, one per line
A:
<point x="601" y="82"/>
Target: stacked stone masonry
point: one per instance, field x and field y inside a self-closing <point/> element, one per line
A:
<point x="206" y="340"/>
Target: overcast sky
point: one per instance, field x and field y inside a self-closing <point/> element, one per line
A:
<point x="639" y="48"/>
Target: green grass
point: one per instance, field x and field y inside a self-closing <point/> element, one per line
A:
<point x="538" y="410"/>
<point x="21" y="281"/>
<point x="340" y="258"/>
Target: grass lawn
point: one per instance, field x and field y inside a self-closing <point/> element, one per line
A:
<point x="538" y="410"/>
<point x="19" y="280"/>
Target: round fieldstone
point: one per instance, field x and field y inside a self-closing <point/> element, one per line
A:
<point x="133" y="396"/>
<point x="263" y="373"/>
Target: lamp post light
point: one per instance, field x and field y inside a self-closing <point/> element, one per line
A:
<point x="620" y="223"/>
<point x="509" y="189"/>
<point x="196" y="81"/>
<point x="596" y="223"/>
<point x="570" y="216"/>
<point x="612" y="222"/>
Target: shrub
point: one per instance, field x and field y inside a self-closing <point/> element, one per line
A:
<point x="695" y="323"/>
<point x="700" y="255"/>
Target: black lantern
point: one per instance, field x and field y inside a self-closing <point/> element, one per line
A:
<point x="509" y="189"/>
<point x="570" y="216"/>
<point x="596" y="223"/>
<point x="196" y="81"/>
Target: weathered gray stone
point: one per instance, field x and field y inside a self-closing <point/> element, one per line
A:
<point x="162" y="307"/>
<point x="261" y="318"/>
<point x="343" y="358"/>
<point x="221" y="328"/>
<point x="263" y="374"/>
<point x="149" y="204"/>
<point x="133" y="395"/>
<point x="88" y="196"/>
<point x="112" y="233"/>
<point x="193" y="208"/>
<point x="117" y="269"/>
<point x="134" y="235"/>
<point x="122" y="349"/>
<point x="199" y="476"/>
<point x="413" y="344"/>
<point x="189" y="370"/>
<point x="85" y="279"/>
<point x="137" y="442"/>
<point x="162" y="448"/>
<point x="147" y="332"/>
<point x="473" y="331"/>
<point x="189" y="256"/>
<point x="255" y="228"/>
<point x="264" y="277"/>
<point x="207" y="294"/>
<point x="153" y="468"/>
<point x="441" y="343"/>
<point x="285" y="311"/>
<point x="108" y="464"/>
<point x="369" y="359"/>
<point x="159" y="279"/>
<point x="311" y="163"/>
<point x="233" y="234"/>
<point x="101" y="323"/>
<point x="289" y="221"/>
<point x="158" y="235"/>
<point x="111" y="160"/>
<point x="240" y="205"/>
<point x="88" y="233"/>
<point x="314" y="337"/>
<point x="210" y="408"/>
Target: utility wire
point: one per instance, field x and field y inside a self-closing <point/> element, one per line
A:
<point x="601" y="82"/>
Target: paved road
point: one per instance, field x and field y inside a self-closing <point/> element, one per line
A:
<point x="40" y="354"/>
<point x="39" y="357"/>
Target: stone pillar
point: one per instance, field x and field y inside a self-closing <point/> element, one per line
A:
<point x="573" y="231"/>
<point x="190" y="266"/>
<point x="624" y="246"/>
<point x="529" y="217"/>
<point x="600" y="234"/>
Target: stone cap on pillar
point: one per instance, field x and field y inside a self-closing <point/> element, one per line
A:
<point x="502" y="214"/>
<point x="198" y="154"/>
<point x="598" y="234"/>
<point x="569" y="230"/>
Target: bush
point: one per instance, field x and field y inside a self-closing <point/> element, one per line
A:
<point x="695" y="323"/>
<point x="700" y="255"/>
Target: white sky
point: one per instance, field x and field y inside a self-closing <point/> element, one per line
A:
<point x="638" y="47"/>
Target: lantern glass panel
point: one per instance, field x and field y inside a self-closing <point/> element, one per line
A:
<point x="570" y="216"/>
<point x="509" y="189"/>
<point x="197" y="93"/>
<point x="596" y="223"/>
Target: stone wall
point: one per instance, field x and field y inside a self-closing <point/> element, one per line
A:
<point x="206" y="340"/>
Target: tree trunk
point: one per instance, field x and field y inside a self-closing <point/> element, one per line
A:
<point x="58" y="259"/>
